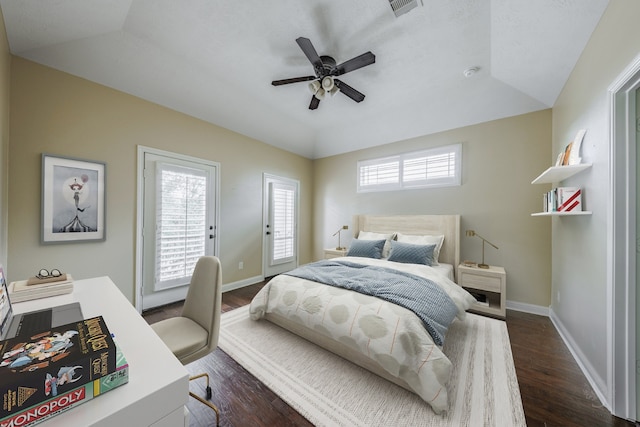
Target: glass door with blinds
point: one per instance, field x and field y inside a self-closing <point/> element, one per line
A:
<point x="179" y="224"/>
<point x="280" y="225"/>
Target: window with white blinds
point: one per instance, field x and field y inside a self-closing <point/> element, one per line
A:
<point x="283" y="222"/>
<point x="436" y="167"/>
<point x="180" y="223"/>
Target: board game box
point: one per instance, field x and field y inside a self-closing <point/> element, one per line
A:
<point x="72" y="398"/>
<point x="45" y="365"/>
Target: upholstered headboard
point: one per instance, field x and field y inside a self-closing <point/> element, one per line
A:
<point x="449" y="225"/>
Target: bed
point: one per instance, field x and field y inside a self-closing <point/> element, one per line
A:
<point x="385" y="336"/>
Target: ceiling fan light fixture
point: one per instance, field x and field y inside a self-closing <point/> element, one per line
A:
<point x="327" y="83"/>
<point x="314" y="87"/>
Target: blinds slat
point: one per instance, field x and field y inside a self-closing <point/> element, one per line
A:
<point x="283" y="223"/>
<point x="434" y="167"/>
<point x="180" y="234"/>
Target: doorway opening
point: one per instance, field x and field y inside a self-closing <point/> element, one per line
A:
<point x="624" y="216"/>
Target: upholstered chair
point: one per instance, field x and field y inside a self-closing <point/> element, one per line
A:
<point x="194" y="333"/>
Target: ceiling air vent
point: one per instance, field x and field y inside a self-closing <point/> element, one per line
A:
<point x="400" y="7"/>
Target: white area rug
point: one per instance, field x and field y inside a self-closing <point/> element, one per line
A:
<point x="329" y="391"/>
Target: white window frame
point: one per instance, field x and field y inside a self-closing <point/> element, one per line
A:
<point x="400" y="183"/>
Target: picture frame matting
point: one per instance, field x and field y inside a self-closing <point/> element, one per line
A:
<point x="73" y="200"/>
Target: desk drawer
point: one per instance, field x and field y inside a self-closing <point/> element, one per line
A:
<point x="486" y="283"/>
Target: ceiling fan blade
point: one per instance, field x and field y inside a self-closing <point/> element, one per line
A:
<point x="348" y="90"/>
<point x="314" y="103"/>
<point x="293" y="80"/>
<point x="308" y="49"/>
<point x="360" y="61"/>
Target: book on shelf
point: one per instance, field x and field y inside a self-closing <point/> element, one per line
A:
<point x="40" y="366"/>
<point x="569" y="199"/>
<point x="570" y="155"/>
<point x="567" y="154"/>
<point x="563" y="199"/>
<point x="551" y="201"/>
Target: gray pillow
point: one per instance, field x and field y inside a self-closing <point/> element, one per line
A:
<point x="366" y="248"/>
<point x="412" y="254"/>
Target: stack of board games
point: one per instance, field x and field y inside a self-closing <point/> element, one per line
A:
<point x="44" y="374"/>
<point x="63" y="402"/>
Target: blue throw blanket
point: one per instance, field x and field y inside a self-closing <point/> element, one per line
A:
<point x="422" y="296"/>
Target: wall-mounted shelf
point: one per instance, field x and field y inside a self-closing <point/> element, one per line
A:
<point x="562" y="213"/>
<point x="559" y="173"/>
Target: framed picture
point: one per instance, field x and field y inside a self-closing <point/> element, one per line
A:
<point x="73" y="200"/>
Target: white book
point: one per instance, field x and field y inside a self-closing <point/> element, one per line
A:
<point x="19" y="291"/>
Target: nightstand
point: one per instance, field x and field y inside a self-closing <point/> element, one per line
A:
<point x="334" y="253"/>
<point x="490" y="283"/>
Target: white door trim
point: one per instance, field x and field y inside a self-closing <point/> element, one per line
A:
<point x="142" y="150"/>
<point x="621" y="245"/>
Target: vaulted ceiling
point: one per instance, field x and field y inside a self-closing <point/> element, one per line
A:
<point x="215" y="60"/>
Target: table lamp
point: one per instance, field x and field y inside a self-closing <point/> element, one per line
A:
<point x="471" y="233"/>
<point x="344" y="227"/>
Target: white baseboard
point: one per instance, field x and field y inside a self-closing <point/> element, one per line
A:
<point x="242" y="283"/>
<point x="597" y="384"/>
<point x="528" y="308"/>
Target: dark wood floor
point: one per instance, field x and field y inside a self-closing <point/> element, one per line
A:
<point x="554" y="390"/>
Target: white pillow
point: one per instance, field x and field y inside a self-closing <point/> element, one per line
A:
<point x="370" y="235"/>
<point x="423" y="240"/>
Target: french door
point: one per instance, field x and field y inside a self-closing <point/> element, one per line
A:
<point x="280" y="225"/>
<point x="179" y="223"/>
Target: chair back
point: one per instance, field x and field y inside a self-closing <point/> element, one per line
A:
<point x="203" y="301"/>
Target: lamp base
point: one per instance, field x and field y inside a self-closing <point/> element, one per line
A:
<point x="483" y="265"/>
<point x="340" y="249"/>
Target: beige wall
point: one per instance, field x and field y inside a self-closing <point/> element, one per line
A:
<point x="5" y="66"/>
<point x="579" y="293"/>
<point x="57" y="113"/>
<point x="496" y="198"/>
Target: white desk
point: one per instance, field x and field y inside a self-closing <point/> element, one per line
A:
<point x="158" y="387"/>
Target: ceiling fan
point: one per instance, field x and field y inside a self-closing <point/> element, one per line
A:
<point x="326" y="70"/>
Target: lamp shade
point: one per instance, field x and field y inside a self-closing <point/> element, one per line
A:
<point x="314" y="86"/>
<point x="327" y="83"/>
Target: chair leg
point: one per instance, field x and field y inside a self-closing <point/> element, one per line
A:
<point x="201" y="400"/>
